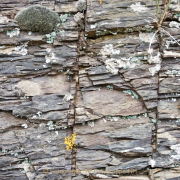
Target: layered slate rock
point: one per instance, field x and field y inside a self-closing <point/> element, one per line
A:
<point x="167" y="144"/>
<point x="99" y="78"/>
<point x="173" y="173"/>
<point x="37" y="97"/>
<point x="112" y="143"/>
<point x="106" y="102"/>
<point x="117" y="94"/>
<point x="105" y="18"/>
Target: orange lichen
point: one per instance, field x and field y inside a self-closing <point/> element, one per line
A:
<point x="69" y="141"/>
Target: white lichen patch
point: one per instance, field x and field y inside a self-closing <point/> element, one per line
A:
<point x="21" y="49"/>
<point x="152" y="162"/>
<point x="67" y="97"/>
<point x="39" y="136"/>
<point x="85" y="173"/>
<point x="169" y="42"/>
<point x="173" y="72"/>
<point x="91" y="123"/>
<point x="147" y="37"/>
<point x="113" y="65"/>
<point x="175" y="5"/>
<point x="50" y="57"/>
<point x="24" y="125"/>
<point x="115" y="118"/>
<point x="138" y="8"/>
<point x="155" y="59"/>
<point x="154" y="70"/>
<point x="139" y="148"/>
<point x="176" y="148"/>
<point x="108" y="49"/>
<point x="170" y="53"/>
<point x="51" y="126"/>
<point x="174" y="24"/>
<point x="3" y="19"/>
<point x="101" y="176"/>
<point x="93" y="26"/>
<point x="14" y="32"/>
<point x="39" y="113"/>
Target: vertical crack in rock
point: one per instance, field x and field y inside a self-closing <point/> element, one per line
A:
<point x="97" y="76"/>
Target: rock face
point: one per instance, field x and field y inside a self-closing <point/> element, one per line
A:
<point x="102" y="75"/>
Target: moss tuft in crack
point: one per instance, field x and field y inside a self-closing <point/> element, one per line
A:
<point x="37" y="19"/>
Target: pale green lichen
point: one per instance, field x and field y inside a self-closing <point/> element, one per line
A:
<point x="154" y="121"/>
<point x="110" y="87"/>
<point x="117" y="118"/>
<point x="2" y="47"/>
<point x="101" y="33"/>
<point x="37" y="19"/>
<point x="50" y="37"/>
<point x="4" y="150"/>
<point x="26" y="160"/>
<point x="63" y="18"/>
<point x="22" y="171"/>
<point x="51" y="125"/>
<point x="145" y="114"/>
<point x="130" y="92"/>
<point x="113" y="65"/>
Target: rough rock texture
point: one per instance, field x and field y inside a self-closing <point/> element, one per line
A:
<point x="97" y="76"/>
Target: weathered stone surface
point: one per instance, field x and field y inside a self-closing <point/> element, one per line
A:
<point x="125" y="137"/>
<point x="173" y="173"/>
<point x="103" y="77"/>
<point x="167" y="144"/>
<point x="107" y="15"/>
<point x="106" y="102"/>
<point x="169" y="108"/>
<point x="66" y="7"/>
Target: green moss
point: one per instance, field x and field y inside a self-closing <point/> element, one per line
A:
<point x="37" y="19"/>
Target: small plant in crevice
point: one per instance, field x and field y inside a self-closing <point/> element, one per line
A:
<point x="159" y="19"/>
<point x="69" y="141"/>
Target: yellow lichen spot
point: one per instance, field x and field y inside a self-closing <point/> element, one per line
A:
<point x="100" y="1"/>
<point x="69" y="141"/>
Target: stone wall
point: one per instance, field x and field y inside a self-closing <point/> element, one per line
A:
<point x="106" y="75"/>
